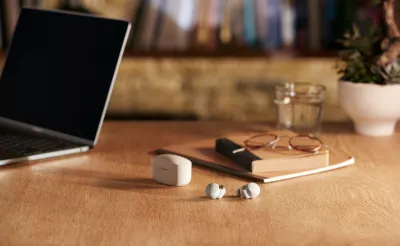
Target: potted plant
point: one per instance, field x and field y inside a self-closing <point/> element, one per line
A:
<point x="369" y="87"/>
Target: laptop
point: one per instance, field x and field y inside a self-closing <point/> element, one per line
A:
<point x="56" y="83"/>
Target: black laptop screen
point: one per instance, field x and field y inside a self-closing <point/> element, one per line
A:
<point x="59" y="71"/>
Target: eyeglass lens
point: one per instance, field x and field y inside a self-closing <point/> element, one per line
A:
<point x="260" y="141"/>
<point x="305" y="143"/>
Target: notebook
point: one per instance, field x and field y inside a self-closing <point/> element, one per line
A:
<point x="270" y="159"/>
<point x="203" y="154"/>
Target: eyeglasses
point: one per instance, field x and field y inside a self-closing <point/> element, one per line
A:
<point x="305" y="143"/>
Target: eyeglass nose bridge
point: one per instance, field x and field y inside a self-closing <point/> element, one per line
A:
<point x="275" y="141"/>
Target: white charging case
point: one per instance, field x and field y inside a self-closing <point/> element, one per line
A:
<point x="171" y="169"/>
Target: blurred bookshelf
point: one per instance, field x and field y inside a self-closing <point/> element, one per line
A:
<point x="217" y="28"/>
<point x="241" y="53"/>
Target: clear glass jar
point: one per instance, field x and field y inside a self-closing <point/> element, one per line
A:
<point x="299" y="106"/>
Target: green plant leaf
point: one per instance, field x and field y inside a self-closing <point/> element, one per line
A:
<point x="359" y="54"/>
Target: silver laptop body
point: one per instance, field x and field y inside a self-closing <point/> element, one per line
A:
<point x="55" y="89"/>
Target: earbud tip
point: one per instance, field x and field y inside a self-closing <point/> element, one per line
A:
<point x="244" y="194"/>
<point x="222" y="193"/>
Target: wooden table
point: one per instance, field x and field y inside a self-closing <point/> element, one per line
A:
<point x="106" y="196"/>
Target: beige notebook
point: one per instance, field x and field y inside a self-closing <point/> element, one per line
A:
<point x="203" y="154"/>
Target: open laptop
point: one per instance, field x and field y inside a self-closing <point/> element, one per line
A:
<point x="56" y="83"/>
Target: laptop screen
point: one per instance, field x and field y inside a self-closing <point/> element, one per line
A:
<point x="59" y="70"/>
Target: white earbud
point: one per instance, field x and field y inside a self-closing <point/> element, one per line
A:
<point x="249" y="191"/>
<point x="215" y="191"/>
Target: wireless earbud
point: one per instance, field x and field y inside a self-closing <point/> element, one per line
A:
<point x="249" y="191"/>
<point x="215" y="191"/>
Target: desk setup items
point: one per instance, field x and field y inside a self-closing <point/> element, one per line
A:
<point x="45" y="66"/>
<point x="174" y="170"/>
<point x="260" y="158"/>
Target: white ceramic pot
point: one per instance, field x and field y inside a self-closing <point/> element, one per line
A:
<point x="373" y="108"/>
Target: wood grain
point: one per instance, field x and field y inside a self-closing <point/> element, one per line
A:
<point x="106" y="196"/>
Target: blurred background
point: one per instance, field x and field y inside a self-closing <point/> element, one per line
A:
<point x="216" y="59"/>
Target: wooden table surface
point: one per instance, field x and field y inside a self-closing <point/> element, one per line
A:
<point x="107" y="197"/>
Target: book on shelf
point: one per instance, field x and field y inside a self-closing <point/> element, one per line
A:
<point x="157" y="26"/>
<point x="213" y="17"/>
<point x="2" y="28"/>
<point x="288" y="23"/>
<point x="11" y="12"/>
<point x="274" y="30"/>
<point x="314" y="24"/>
<point x="201" y="37"/>
<point x="185" y="20"/>
<point x="187" y="25"/>
<point x="328" y="15"/>
<point x="260" y="8"/>
<point x="169" y="26"/>
<point x="137" y="22"/>
<point x="225" y="29"/>
<point x="249" y="22"/>
<point x="149" y="24"/>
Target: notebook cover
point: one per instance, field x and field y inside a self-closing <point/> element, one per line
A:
<point x="203" y="154"/>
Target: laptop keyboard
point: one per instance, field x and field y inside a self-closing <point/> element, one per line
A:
<point x="25" y="145"/>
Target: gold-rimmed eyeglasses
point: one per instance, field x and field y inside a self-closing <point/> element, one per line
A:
<point x="305" y="143"/>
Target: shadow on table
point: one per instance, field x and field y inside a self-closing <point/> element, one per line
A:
<point x="338" y="128"/>
<point x="106" y="180"/>
<point x="229" y="198"/>
<point x="49" y="163"/>
<point x="13" y="166"/>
